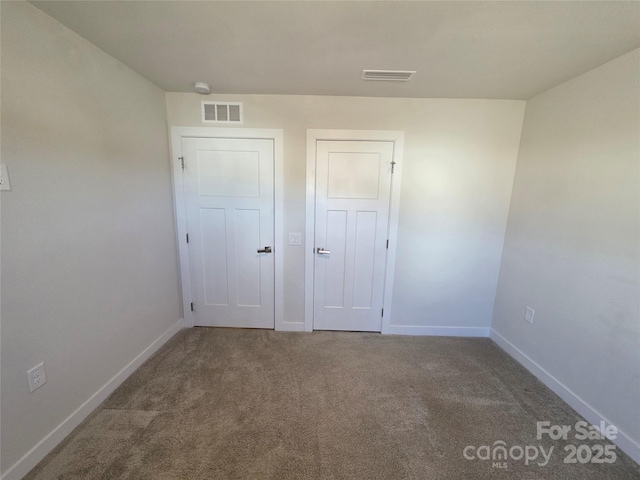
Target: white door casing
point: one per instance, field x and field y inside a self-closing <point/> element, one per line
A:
<point x="228" y="185"/>
<point x="352" y="210"/>
<point x="178" y="134"/>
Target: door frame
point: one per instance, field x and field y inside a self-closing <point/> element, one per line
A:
<point x="314" y="136"/>
<point x="180" y="210"/>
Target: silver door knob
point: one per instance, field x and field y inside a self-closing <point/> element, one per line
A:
<point x="265" y="250"/>
<point x="322" y="251"/>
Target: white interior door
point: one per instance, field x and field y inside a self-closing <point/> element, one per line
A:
<point x="229" y="196"/>
<point x="353" y="186"/>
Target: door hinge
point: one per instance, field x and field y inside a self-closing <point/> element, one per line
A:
<point x="188" y="240"/>
<point x="192" y="307"/>
<point x="387" y="242"/>
<point x="393" y="165"/>
<point x="181" y="161"/>
<point x="382" y="313"/>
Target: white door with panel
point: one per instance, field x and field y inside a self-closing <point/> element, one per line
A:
<point x="229" y="195"/>
<point x="353" y="188"/>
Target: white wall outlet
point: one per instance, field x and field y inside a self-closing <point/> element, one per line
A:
<point x="528" y="314"/>
<point x="295" y="239"/>
<point x="4" y="178"/>
<point x="37" y="377"/>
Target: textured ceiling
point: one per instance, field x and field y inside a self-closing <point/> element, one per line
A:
<point x="509" y="50"/>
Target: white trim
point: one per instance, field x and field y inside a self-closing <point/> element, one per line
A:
<point x="177" y="134"/>
<point x="627" y="444"/>
<point x="313" y="136"/>
<point x="437" y="331"/>
<point x="394" y="214"/>
<point x="291" y="327"/>
<point x="53" y="438"/>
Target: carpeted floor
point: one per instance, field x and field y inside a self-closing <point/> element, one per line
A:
<point x="257" y="404"/>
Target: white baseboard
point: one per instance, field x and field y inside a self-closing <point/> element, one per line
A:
<point x="627" y="444"/>
<point x="438" y="331"/>
<point x="53" y="438"/>
<point x="290" y="327"/>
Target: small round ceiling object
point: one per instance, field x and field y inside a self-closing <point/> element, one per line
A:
<point x="203" y="88"/>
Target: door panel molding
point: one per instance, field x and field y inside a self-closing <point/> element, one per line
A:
<point x="313" y="137"/>
<point x="228" y="223"/>
<point x="177" y="136"/>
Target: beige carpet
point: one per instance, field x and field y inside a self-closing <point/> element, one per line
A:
<point x="256" y="404"/>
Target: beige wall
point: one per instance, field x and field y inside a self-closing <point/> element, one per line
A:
<point x="459" y="161"/>
<point x="571" y="249"/>
<point x="89" y="269"/>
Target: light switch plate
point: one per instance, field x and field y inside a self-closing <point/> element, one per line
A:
<point x="529" y="314"/>
<point x="295" y="239"/>
<point x="4" y="178"/>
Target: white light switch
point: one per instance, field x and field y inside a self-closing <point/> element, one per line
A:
<point x="4" y="178"/>
<point x="528" y="314"/>
<point x="295" y="239"/>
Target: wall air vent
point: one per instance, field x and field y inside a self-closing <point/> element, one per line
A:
<point x="215" y="112"/>
<point x="388" y="75"/>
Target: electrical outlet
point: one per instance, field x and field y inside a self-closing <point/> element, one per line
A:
<point x="528" y="314"/>
<point x="295" y="239"/>
<point x="37" y="377"/>
<point x="4" y="178"/>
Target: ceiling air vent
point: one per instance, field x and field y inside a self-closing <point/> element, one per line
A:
<point x="388" y="75"/>
<point x="214" y="112"/>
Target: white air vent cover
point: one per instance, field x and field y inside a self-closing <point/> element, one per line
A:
<point x="214" y="112"/>
<point x="388" y="75"/>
